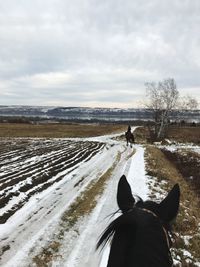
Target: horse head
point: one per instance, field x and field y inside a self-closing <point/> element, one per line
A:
<point x="140" y="236"/>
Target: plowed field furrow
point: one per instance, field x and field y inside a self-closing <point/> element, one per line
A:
<point x="30" y="167"/>
<point x="36" y="189"/>
<point x="41" y="166"/>
<point x="5" y="149"/>
<point x="36" y="150"/>
<point x="28" y="157"/>
<point x="5" y="156"/>
<point x="45" y="158"/>
<point x="43" y="176"/>
<point x="27" y="177"/>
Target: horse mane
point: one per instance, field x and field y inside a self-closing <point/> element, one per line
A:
<point x="112" y="227"/>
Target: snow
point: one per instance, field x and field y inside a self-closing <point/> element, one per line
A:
<point x="178" y="146"/>
<point x="38" y="219"/>
<point x="136" y="175"/>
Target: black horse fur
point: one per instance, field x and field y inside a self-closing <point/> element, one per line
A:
<point x="129" y="138"/>
<point x="140" y="236"/>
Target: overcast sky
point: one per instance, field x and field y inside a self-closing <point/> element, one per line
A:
<point x="96" y="52"/>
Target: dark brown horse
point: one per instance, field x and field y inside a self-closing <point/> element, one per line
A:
<point x="129" y="138"/>
<point x="140" y="236"/>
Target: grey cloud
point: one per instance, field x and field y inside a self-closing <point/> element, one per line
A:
<point x="102" y="45"/>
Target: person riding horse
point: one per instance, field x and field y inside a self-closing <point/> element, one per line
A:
<point x="129" y="136"/>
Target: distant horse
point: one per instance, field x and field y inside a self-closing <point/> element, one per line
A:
<point x="140" y="236"/>
<point x="129" y="138"/>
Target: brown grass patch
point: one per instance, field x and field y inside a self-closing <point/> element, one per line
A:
<point x="188" y="164"/>
<point x="185" y="134"/>
<point x="58" y="130"/>
<point x="178" y="134"/>
<point x="141" y="135"/>
<point x="188" y="220"/>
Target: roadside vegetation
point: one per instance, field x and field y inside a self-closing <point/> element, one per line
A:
<point x="187" y="227"/>
<point x="185" y="134"/>
<point x="180" y="134"/>
<point x="165" y="168"/>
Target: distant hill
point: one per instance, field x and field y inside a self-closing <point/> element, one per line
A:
<point x="88" y="114"/>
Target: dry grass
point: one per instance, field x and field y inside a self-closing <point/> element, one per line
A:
<point x="188" y="164"/>
<point x="188" y="220"/>
<point x="185" y="134"/>
<point x="178" y="134"/>
<point x="58" y="130"/>
<point x="141" y="135"/>
<point x="83" y="205"/>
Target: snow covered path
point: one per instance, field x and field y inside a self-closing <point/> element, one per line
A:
<point x="83" y="254"/>
<point x="136" y="174"/>
<point x="34" y="225"/>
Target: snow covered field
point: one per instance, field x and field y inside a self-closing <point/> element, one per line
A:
<point x="35" y="208"/>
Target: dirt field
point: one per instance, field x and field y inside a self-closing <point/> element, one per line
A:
<point x="58" y="130"/>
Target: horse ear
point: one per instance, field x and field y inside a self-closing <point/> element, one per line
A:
<point x="169" y="206"/>
<point x="125" y="198"/>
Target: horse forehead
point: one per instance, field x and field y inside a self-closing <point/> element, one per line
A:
<point x="146" y="214"/>
<point x="150" y="205"/>
<point x="142" y="216"/>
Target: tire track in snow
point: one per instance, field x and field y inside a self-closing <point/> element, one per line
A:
<point x="136" y="175"/>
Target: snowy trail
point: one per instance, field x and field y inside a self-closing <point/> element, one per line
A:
<point x="136" y="174"/>
<point x="83" y="254"/>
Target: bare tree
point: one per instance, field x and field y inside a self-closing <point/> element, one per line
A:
<point x="188" y="103"/>
<point x="163" y="97"/>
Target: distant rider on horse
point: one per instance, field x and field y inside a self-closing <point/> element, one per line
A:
<point x="129" y="136"/>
